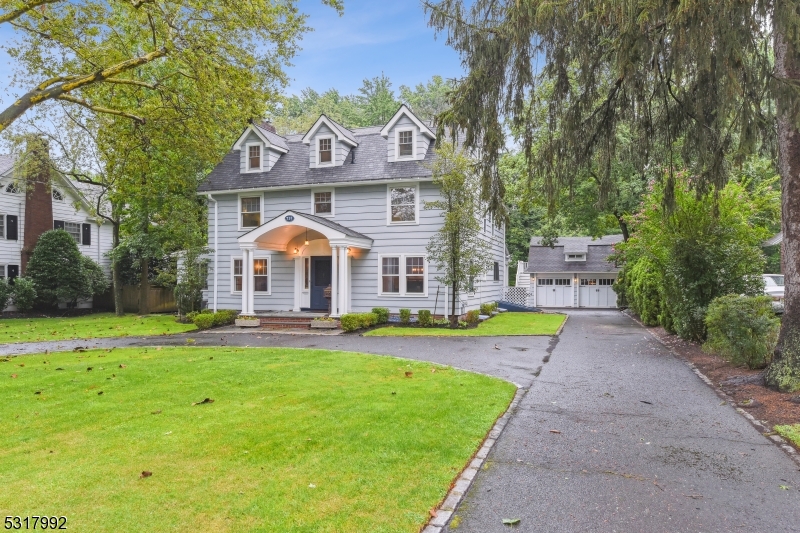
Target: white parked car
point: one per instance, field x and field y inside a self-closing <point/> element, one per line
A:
<point x="773" y="286"/>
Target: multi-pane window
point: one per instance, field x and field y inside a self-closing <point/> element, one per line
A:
<point x="254" y="157"/>
<point x="13" y="188"/>
<point x="405" y="145"/>
<point x="325" y="152"/>
<point x="237" y="275"/>
<point x="2" y="226"/>
<point x="563" y="282"/>
<point x="544" y="282"/>
<point x="403" y="204"/>
<point x="496" y="271"/>
<point x="605" y="282"/>
<point x="74" y="230"/>
<point x="576" y="257"/>
<point x="390" y="275"/>
<point x="588" y="282"/>
<point x="58" y="196"/>
<point x="323" y="203"/>
<point x="415" y="275"/>
<point x="251" y="212"/>
<point x="260" y="275"/>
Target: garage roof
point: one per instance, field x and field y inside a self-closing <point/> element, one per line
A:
<point x="546" y="259"/>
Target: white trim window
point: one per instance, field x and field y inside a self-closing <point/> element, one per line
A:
<point x="2" y="226"/>
<point x="58" y="196"/>
<point x="576" y="257"/>
<point x="325" y="150"/>
<point x="402" y="204"/>
<point x="403" y="275"/>
<point x="322" y="203"/>
<point x="254" y="157"/>
<point x="260" y="279"/>
<point x="496" y="271"/>
<point x="13" y="188"/>
<point x="250" y="211"/>
<point x="74" y="230"/>
<point x="405" y="144"/>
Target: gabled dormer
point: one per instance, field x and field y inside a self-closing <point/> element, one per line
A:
<point x="259" y="148"/>
<point x="408" y="138"/>
<point x="329" y="143"/>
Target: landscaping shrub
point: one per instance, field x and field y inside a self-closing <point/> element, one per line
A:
<point x="6" y="291"/>
<point x="24" y="294"/>
<point x="57" y="270"/>
<point x="356" y="321"/>
<point x="405" y="316"/>
<point x="368" y="319"/>
<point x="225" y="317"/>
<point x="98" y="281"/>
<point x="190" y="316"/>
<point x="473" y="317"/>
<point x="383" y="314"/>
<point x="424" y="318"/>
<point x="487" y="309"/>
<point x="204" y="320"/>
<point x="742" y="329"/>
<point x="441" y="322"/>
<point x="642" y="282"/>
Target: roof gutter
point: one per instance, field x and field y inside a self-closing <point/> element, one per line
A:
<point x="313" y="185"/>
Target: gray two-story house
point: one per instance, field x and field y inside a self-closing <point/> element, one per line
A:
<point x="339" y="208"/>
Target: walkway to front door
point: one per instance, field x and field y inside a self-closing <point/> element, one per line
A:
<point x="320" y="279"/>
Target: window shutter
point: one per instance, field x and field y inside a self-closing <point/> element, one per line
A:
<point x="86" y="234"/>
<point x="11" y="227"/>
<point x="13" y="273"/>
<point x="58" y="224"/>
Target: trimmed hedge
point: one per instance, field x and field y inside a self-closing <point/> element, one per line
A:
<point x="488" y="308"/>
<point x="356" y="321"/>
<point x="203" y="320"/>
<point x="382" y="313"/>
<point x="405" y="316"/>
<point x="424" y="318"/>
<point x="473" y="317"/>
<point x="225" y="317"/>
<point x="742" y="329"/>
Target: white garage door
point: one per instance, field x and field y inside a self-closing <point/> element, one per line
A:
<point x="554" y="292"/>
<point x="596" y="292"/>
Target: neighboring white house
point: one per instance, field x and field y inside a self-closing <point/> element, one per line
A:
<point x="338" y="208"/>
<point x="574" y="272"/>
<point x="62" y="206"/>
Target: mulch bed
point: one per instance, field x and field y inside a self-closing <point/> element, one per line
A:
<point x="745" y="386"/>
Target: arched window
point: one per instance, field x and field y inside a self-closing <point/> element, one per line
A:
<point x="13" y="188"/>
<point x="58" y="196"/>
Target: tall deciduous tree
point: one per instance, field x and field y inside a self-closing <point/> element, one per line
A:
<point x="66" y="50"/>
<point x="712" y="74"/>
<point x="456" y="249"/>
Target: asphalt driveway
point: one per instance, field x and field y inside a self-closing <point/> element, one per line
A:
<point x="613" y="434"/>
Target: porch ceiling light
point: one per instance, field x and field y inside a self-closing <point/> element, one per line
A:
<point x="297" y="250"/>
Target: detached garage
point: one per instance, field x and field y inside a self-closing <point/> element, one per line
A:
<point x="574" y="272"/>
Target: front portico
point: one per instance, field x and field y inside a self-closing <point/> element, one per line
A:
<point x="305" y="238"/>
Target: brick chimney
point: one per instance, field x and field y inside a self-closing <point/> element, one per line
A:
<point x="38" y="200"/>
<point x="267" y="125"/>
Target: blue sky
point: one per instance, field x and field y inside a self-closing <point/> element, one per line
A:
<point x="373" y="36"/>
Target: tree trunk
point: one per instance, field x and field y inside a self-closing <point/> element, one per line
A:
<point x="784" y="372"/>
<point x="453" y="316"/>
<point x="116" y="275"/>
<point x="144" y="286"/>
<point x="623" y="226"/>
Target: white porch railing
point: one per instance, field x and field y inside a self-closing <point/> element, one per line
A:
<point x="523" y="278"/>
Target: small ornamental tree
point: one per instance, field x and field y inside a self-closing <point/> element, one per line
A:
<point x="57" y="270"/>
<point x="456" y="249"/>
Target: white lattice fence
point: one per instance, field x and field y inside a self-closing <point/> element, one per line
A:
<point x="516" y="295"/>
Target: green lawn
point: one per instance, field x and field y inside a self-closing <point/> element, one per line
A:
<point x="88" y="327"/>
<point x="295" y="440"/>
<point x="791" y="433"/>
<point x="502" y="324"/>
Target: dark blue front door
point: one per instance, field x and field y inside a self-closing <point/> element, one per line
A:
<point x="320" y="279"/>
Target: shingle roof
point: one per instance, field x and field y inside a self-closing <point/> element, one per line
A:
<point x="273" y="138"/>
<point x="6" y="163"/>
<point x="333" y="225"/>
<point x="367" y="162"/>
<point x="547" y="259"/>
<point x="344" y="131"/>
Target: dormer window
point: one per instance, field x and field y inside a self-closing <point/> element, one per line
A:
<point x="254" y="157"/>
<point x="325" y="150"/>
<point x="405" y="143"/>
<point x="576" y="257"/>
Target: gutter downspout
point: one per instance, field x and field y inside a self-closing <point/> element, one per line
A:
<point x="216" y="243"/>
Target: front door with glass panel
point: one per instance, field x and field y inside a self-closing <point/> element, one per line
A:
<point x="320" y="279"/>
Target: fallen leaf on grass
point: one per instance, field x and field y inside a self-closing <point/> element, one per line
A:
<point x="59" y="368"/>
<point x="510" y="521"/>
<point x="555" y="431"/>
<point x="88" y="368"/>
<point x="155" y="412"/>
<point x="433" y="513"/>
<point x="22" y="364"/>
<point x="13" y="376"/>
<point x="123" y="366"/>
<point x="145" y="474"/>
<point x="100" y="393"/>
<point x="207" y="400"/>
<point x="38" y="392"/>
<point x="409" y="374"/>
<point x="79" y="349"/>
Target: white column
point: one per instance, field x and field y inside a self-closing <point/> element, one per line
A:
<point x="245" y="281"/>
<point x="342" y="280"/>
<point x="251" y="286"/>
<point x="334" y="282"/>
